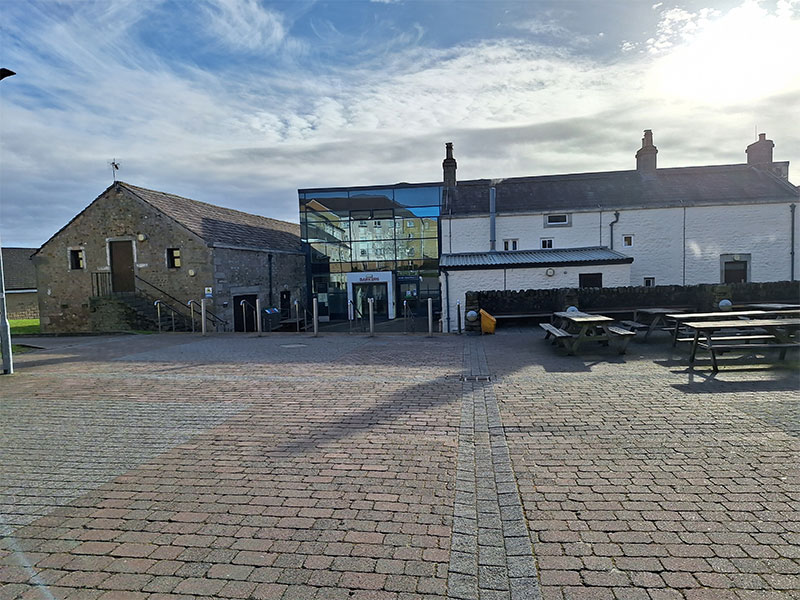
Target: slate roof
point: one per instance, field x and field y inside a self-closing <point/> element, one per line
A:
<point x="613" y="190"/>
<point x="19" y="271"/>
<point x="222" y="226"/>
<point x="594" y="255"/>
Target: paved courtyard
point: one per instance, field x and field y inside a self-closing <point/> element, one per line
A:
<point x="399" y="467"/>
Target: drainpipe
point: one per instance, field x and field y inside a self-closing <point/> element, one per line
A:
<point x="492" y="216"/>
<point x="611" y="228"/>
<point x="447" y="293"/>
<point x="792" y="208"/>
<point x="269" y="262"/>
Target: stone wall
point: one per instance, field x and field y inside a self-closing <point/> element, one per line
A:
<point x="110" y="314"/>
<point x="22" y="305"/>
<point x="697" y="297"/>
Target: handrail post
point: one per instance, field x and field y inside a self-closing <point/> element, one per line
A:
<point x="158" y="314"/>
<point x="172" y="312"/>
<point x="350" y="315"/>
<point x="371" y="302"/>
<point x="258" y="316"/>
<point x="430" y="317"/>
<point x="315" y="305"/>
<point x="244" y="317"/>
<point x="297" y="314"/>
<point x="458" y="315"/>
<point x="405" y="317"/>
<point x="191" y="312"/>
<point x="203" y="314"/>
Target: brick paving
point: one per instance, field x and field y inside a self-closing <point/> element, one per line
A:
<point x="175" y="467"/>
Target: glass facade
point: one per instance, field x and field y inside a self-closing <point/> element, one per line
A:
<point x="372" y="230"/>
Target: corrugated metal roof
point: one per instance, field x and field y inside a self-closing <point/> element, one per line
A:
<point x="593" y="255"/>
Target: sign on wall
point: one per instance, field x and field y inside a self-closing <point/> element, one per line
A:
<point x="209" y="292"/>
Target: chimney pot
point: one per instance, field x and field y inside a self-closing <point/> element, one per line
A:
<point x="449" y="166"/>
<point x="646" y="156"/>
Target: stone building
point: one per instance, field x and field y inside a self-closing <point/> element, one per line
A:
<point x="680" y="226"/>
<point x="131" y="247"/>
<point x="20" y="282"/>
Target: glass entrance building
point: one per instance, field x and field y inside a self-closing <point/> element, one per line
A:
<point x="372" y="242"/>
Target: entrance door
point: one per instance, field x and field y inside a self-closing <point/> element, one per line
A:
<point x="122" y="279"/>
<point x="378" y="291"/>
<point x="408" y="296"/>
<point x="286" y="304"/>
<point x="244" y="317"/>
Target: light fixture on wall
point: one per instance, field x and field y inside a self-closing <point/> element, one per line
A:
<point x="141" y="237"/>
<point x="550" y="272"/>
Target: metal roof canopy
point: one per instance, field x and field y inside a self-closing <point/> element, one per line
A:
<point x="593" y="255"/>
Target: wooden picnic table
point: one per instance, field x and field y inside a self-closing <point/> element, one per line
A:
<point x="773" y="306"/>
<point x="683" y="318"/>
<point x="778" y="333"/>
<point x="573" y="328"/>
<point x="656" y="318"/>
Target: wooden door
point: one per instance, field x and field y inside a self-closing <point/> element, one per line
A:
<point x="122" y="279"/>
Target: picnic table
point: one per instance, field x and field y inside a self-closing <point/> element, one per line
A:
<point x="573" y="328"/>
<point x="773" y="306"/>
<point x="762" y="334"/>
<point x="655" y="319"/>
<point x="682" y="318"/>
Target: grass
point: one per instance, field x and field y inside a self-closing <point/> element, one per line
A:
<point x="24" y="326"/>
<point x="17" y="349"/>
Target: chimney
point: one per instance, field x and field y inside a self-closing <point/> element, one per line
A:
<point x="759" y="154"/>
<point x="449" y="166"/>
<point x="646" y="155"/>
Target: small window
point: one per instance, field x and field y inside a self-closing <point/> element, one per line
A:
<point x="363" y="252"/>
<point x="76" y="259"/>
<point x="379" y="251"/>
<point x="590" y="280"/>
<point x="362" y="223"/>
<point x="649" y="282"/>
<point x="173" y="258"/>
<point x="510" y="244"/>
<point x="557" y="220"/>
<point x="547" y="242"/>
<point x="377" y="224"/>
<point x="409" y="224"/>
<point x="627" y="241"/>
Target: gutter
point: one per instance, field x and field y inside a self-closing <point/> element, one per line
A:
<point x="611" y="227"/>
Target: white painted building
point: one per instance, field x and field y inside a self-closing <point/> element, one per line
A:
<point x="681" y="226"/>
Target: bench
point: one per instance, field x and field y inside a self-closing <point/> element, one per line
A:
<point x="554" y="331"/>
<point x="731" y="338"/>
<point x="635" y="326"/>
<point x="620" y="331"/>
<point x="623" y="336"/>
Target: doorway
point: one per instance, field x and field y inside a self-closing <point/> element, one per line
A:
<point x="286" y="304"/>
<point x="122" y="275"/>
<point x="363" y="291"/>
<point x="244" y="316"/>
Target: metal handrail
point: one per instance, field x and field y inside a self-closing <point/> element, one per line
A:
<point x="215" y="320"/>
<point x="158" y="304"/>
<point x="357" y="316"/>
<point x="297" y="306"/>
<point x="408" y="315"/>
<point x="244" y="317"/>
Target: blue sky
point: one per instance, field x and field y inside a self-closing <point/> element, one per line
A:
<point x="241" y="102"/>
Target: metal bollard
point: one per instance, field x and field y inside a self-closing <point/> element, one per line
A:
<point x="458" y="315"/>
<point x="405" y="317"/>
<point x="191" y="312"/>
<point x="430" y="317"/>
<point x="297" y="314"/>
<point x="315" y="306"/>
<point x="371" y="302"/>
<point x="258" y="316"/>
<point x="158" y="314"/>
<point x="203" y="314"/>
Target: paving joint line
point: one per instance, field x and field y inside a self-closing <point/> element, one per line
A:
<point x="491" y="555"/>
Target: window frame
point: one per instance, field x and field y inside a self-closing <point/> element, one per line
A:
<point x="542" y="242"/>
<point x="514" y="242"/>
<point x="567" y="220"/>
<point x="649" y="282"/>
<point x="76" y="256"/>
<point x="174" y="257"/>
<point x="625" y="238"/>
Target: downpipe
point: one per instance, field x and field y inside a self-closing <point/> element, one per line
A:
<point x="611" y="228"/>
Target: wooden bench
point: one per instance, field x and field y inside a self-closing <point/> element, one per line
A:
<point x="635" y="326"/>
<point x="554" y="331"/>
<point x="731" y="338"/>
<point x="623" y="336"/>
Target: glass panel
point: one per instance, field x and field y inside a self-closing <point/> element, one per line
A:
<point x="418" y="196"/>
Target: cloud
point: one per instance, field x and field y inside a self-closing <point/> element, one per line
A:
<point x="245" y="132"/>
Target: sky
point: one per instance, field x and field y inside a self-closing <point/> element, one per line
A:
<point x="241" y="102"/>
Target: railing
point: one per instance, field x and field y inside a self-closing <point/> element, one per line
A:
<point x="355" y="318"/>
<point x="244" y="304"/>
<point x="306" y="314"/>
<point x="158" y="304"/>
<point x="215" y="320"/>
<point x="408" y="318"/>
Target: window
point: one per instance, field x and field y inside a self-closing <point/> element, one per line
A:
<point x="362" y="223"/>
<point x="377" y="224"/>
<point x="627" y="241"/>
<point x="557" y="220"/>
<point x="735" y="268"/>
<point x="591" y="280"/>
<point x="173" y="258"/>
<point x="76" y="259"/>
<point x="510" y="244"/>
<point x="649" y="282"/>
<point x="547" y="242"/>
<point x="363" y="252"/>
<point x="409" y="224"/>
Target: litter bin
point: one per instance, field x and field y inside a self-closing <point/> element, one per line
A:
<point x="487" y="322"/>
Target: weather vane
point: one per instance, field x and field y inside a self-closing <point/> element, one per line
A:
<point x="114" y="168"/>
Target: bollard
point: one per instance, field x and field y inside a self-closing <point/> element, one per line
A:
<point x="405" y="317"/>
<point x="191" y="312"/>
<point x="297" y="315"/>
<point x="371" y="302"/>
<point x="458" y="315"/>
<point x="315" y="305"/>
<point x="350" y="315"/>
<point x="203" y="314"/>
<point x="258" y="316"/>
<point x="430" y="317"/>
<point x="158" y="314"/>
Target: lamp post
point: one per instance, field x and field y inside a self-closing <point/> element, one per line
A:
<point x="5" y="328"/>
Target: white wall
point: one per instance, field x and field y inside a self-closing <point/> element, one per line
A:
<point x="461" y="282"/>
<point x="658" y="250"/>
